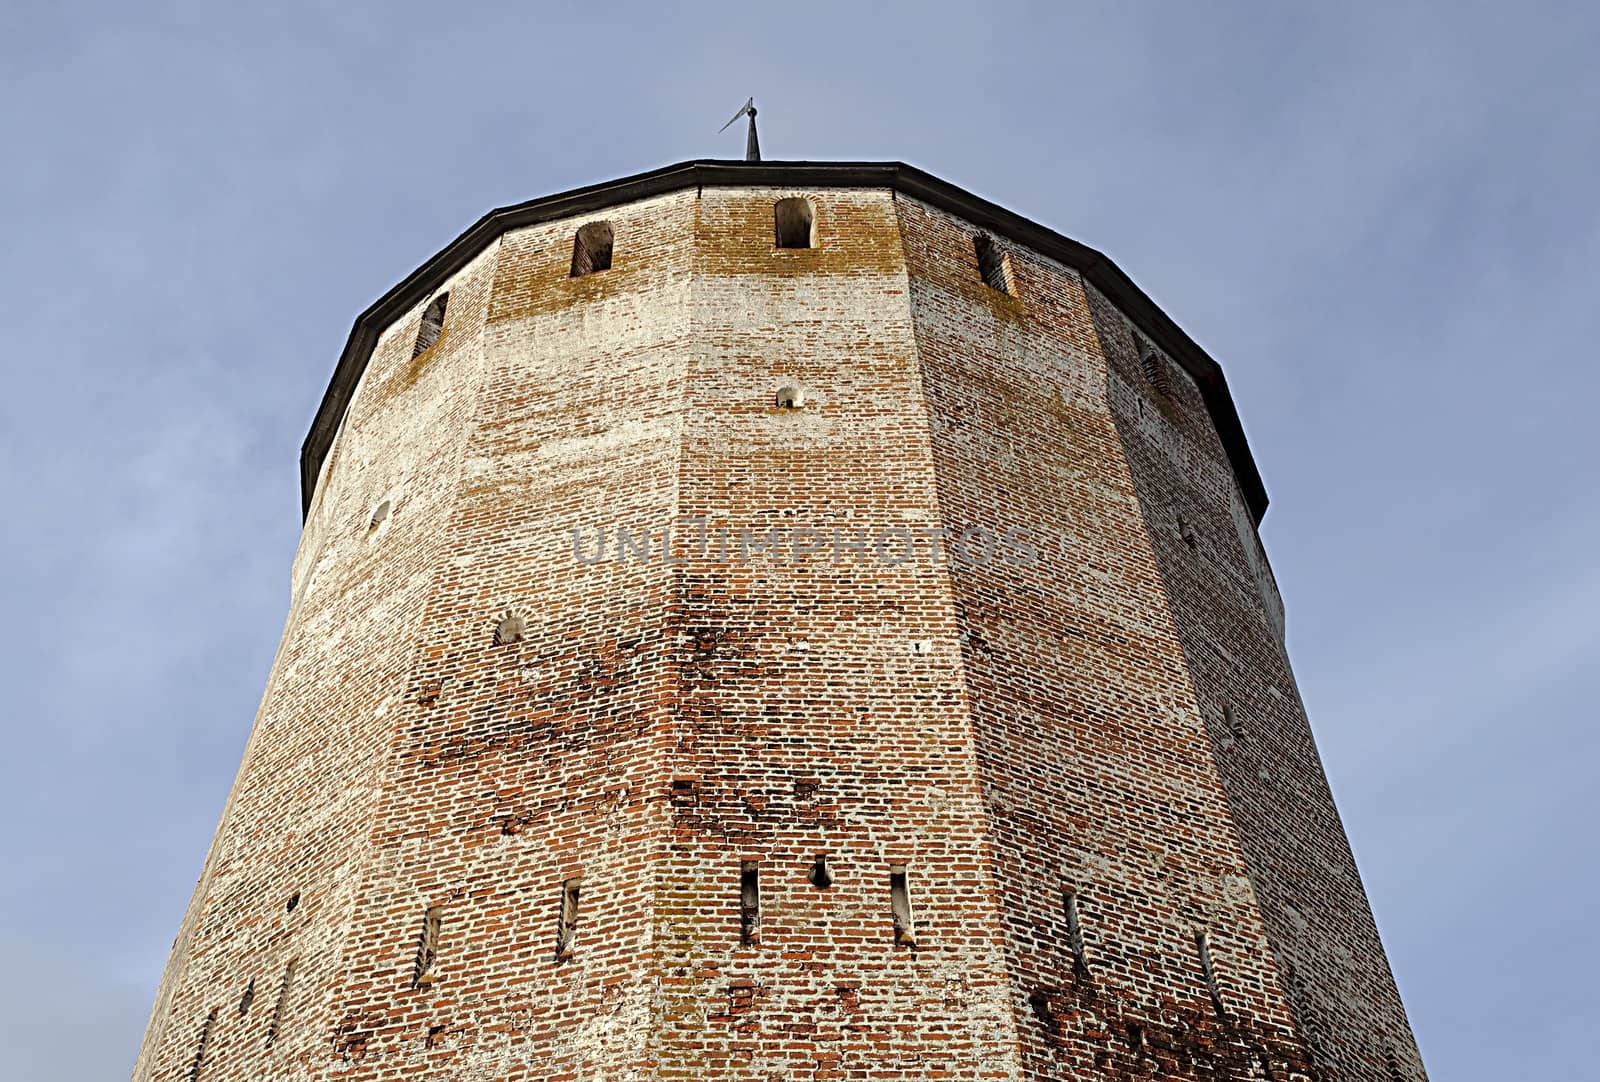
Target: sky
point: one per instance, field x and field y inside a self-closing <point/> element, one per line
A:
<point x="1379" y="218"/>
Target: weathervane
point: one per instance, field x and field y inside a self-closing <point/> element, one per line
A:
<point x="752" y="148"/>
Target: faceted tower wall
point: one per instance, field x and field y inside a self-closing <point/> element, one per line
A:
<point x="980" y="625"/>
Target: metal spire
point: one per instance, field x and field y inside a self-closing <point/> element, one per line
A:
<point x="752" y="147"/>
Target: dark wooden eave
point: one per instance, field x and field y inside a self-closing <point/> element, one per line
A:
<point x="897" y="176"/>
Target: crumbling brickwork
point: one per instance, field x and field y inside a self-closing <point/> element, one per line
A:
<point x="758" y="662"/>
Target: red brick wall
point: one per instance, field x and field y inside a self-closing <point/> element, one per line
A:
<point x="301" y="812"/>
<point x="516" y="766"/>
<point x="1220" y="592"/>
<point x="809" y="721"/>
<point x="1002" y="731"/>
<point x="1097" y="771"/>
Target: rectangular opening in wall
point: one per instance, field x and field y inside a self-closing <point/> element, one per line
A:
<point x="199" y="1061"/>
<point x="819" y="875"/>
<point x="900" y="906"/>
<point x="792" y="221"/>
<point x="991" y="264"/>
<point x="1234" y="723"/>
<point x="591" y="249"/>
<point x="1202" y="942"/>
<point x="423" y="972"/>
<point x="1155" y="371"/>
<point x="275" y="1026"/>
<point x="432" y="325"/>
<point x="1080" y="959"/>
<point x="749" y="902"/>
<point x="567" y="920"/>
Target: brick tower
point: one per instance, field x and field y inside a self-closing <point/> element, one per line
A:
<point x="778" y="621"/>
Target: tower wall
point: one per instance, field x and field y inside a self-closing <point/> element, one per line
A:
<point x="475" y="708"/>
<point x="822" y="708"/>
<point x="1097" y="773"/>
<point x="298" y="820"/>
<point x="1229" y="621"/>
<point x="516" y="767"/>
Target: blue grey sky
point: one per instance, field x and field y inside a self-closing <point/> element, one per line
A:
<point x="1380" y="218"/>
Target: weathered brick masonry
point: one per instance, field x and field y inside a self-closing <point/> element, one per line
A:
<point x="950" y="737"/>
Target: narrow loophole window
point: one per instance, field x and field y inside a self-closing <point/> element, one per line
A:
<point x="567" y="926"/>
<point x="248" y="998"/>
<point x="1039" y="1001"/>
<point x="900" y="907"/>
<point x="1155" y="371"/>
<point x="820" y="876"/>
<point x="432" y="325"/>
<point x="199" y="1062"/>
<point x="1187" y="533"/>
<point x="794" y="223"/>
<point x="749" y="903"/>
<point x="281" y="1007"/>
<point x="591" y="249"/>
<point x="1080" y="958"/>
<point x="380" y="515"/>
<point x="790" y="397"/>
<point x="1202" y="942"/>
<point x="428" y="947"/>
<point x="991" y="263"/>
<point x="1231" y="718"/>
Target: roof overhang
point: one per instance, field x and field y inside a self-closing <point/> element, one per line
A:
<point x="1095" y="268"/>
